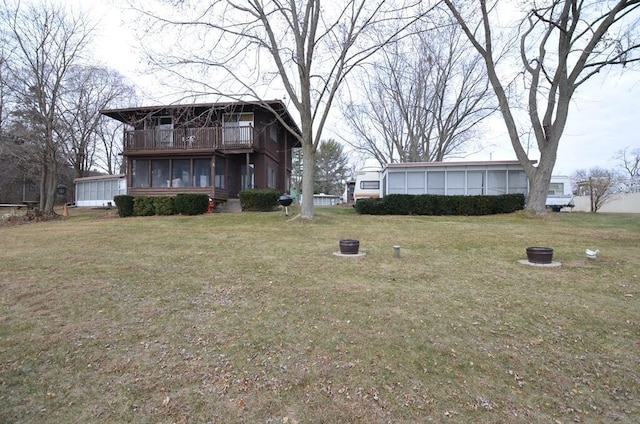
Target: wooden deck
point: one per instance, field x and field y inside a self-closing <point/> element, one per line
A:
<point x="207" y="139"/>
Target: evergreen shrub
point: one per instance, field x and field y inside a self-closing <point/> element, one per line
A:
<point x="164" y="205"/>
<point x="124" y="203"/>
<point x="259" y="200"/>
<point x="429" y="204"/>
<point x="143" y="206"/>
<point x="191" y="203"/>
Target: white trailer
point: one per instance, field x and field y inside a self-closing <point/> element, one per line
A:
<point x="367" y="184"/>
<point x="560" y="194"/>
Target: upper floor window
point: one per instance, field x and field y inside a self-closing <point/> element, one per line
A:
<point x="237" y="127"/>
<point x="163" y="126"/>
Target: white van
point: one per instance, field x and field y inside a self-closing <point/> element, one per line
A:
<point x="367" y="184"/>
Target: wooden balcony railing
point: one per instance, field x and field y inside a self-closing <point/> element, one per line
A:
<point x="207" y="138"/>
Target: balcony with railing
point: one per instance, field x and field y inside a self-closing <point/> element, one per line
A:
<point x="188" y="139"/>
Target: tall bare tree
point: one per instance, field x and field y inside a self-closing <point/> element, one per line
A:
<point x="304" y="49"/>
<point x="629" y="161"/>
<point x="46" y="40"/>
<point x="87" y="90"/>
<point x="109" y="134"/>
<point x="562" y="44"/>
<point x="424" y="99"/>
<point x="597" y="183"/>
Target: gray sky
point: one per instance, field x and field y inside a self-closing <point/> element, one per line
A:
<point x="604" y="118"/>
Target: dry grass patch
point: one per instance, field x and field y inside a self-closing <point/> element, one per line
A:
<point x="250" y="318"/>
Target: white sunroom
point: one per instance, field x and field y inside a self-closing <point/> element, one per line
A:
<point x="99" y="191"/>
<point x="454" y="178"/>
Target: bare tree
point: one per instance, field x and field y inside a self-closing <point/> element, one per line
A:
<point x="629" y="160"/>
<point x="109" y="134"/>
<point x="562" y="45"/>
<point x="597" y="183"/>
<point x="46" y="41"/>
<point x="4" y="85"/>
<point x="303" y="49"/>
<point x="424" y="100"/>
<point x="88" y="89"/>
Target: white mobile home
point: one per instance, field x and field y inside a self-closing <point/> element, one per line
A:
<point x="99" y="191"/>
<point x="454" y="178"/>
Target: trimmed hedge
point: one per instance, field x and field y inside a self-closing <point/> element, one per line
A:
<point x="164" y="205"/>
<point x="429" y="204"/>
<point x="143" y="206"/>
<point x="183" y="203"/>
<point x="124" y="203"/>
<point x="259" y="200"/>
<point x="191" y="203"/>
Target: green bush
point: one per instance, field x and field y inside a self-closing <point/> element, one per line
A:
<point x="429" y="204"/>
<point x="143" y="206"/>
<point x="191" y="203"/>
<point x="164" y="205"/>
<point x="124" y="203"/>
<point x="371" y="207"/>
<point x="259" y="200"/>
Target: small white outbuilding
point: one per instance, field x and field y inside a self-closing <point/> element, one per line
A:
<point x="99" y="191"/>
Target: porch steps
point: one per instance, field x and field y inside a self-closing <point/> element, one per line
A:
<point x="231" y="206"/>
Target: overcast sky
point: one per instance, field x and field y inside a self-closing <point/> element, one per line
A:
<point x="604" y="117"/>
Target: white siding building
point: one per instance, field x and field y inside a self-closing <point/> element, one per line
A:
<point x="99" y="191"/>
<point x="454" y="178"/>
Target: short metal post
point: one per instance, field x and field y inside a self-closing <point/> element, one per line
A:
<point x="396" y="251"/>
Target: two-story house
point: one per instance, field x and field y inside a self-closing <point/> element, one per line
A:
<point x="217" y="148"/>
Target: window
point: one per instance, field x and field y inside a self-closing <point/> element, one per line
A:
<point x="271" y="177"/>
<point x="415" y="183"/>
<point x="556" y="189"/>
<point x="496" y="182"/>
<point x="140" y="173"/>
<point x="173" y="173"/>
<point x="250" y="182"/>
<point x="273" y="132"/>
<point x="435" y="182"/>
<point x="455" y="182"/>
<point x="370" y="185"/>
<point x="202" y="172"/>
<point x="160" y="173"/>
<point x="100" y="189"/>
<point x="237" y="128"/>
<point x="475" y="182"/>
<point x="517" y="182"/>
<point x="396" y="183"/>
<point x="181" y="172"/>
<point x="220" y="172"/>
<point x="164" y="130"/>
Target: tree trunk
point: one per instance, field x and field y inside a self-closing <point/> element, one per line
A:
<point x="49" y="181"/>
<point x="50" y="198"/>
<point x="538" y="189"/>
<point x="308" y="160"/>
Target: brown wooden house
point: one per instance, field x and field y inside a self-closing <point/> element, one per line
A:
<point x="217" y="148"/>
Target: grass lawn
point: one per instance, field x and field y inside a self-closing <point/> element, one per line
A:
<point x="249" y="317"/>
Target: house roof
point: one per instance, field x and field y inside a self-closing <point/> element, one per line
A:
<point x="99" y="177"/>
<point x="135" y="114"/>
<point x="403" y="165"/>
